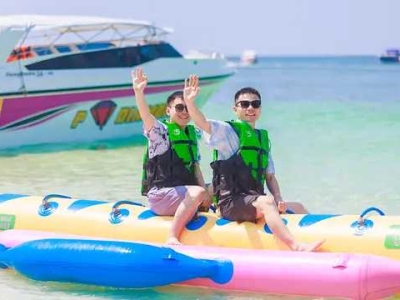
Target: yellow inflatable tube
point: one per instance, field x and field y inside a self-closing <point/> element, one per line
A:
<point x="373" y="233"/>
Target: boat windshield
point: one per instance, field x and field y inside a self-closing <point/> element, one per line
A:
<point x="108" y="58"/>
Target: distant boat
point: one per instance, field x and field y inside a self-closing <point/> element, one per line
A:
<point x="248" y="57"/>
<point x="391" y="56"/>
<point x="66" y="79"/>
<point x="199" y="54"/>
<point x="214" y="55"/>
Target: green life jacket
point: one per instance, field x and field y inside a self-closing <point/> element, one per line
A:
<point x="177" y="165"/>
<point x="254" y="148"/>
<point x="245" y="171"/>
<point x="184" y="143"/>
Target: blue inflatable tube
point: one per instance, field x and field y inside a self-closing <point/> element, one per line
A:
<point x="110" y="263"/>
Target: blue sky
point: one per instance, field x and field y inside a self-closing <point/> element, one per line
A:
<point x="280" y="27"/>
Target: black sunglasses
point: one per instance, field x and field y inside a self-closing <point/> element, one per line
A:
<point x="247" y="103"/>
<point x="180" y="107"/>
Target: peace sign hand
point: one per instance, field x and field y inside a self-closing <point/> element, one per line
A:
<point x="139" y="80"/>
<point x="191" y="88"/>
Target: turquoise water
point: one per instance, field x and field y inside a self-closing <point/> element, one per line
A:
<point x="335" y="130"/>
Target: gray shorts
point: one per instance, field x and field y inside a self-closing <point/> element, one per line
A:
<point x="165" y="201"/>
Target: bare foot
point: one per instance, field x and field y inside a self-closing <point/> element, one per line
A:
<point x="308" y="247"/>
<point x="173" y="241"/>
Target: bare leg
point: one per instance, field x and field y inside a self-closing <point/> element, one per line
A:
<point x="207" y="201"/>
<point x="185" y="212"/>
<point x="266" y="208"/>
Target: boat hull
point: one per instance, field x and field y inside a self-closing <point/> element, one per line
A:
<point x="91" y="106"/>
<point x="390" y="59"/>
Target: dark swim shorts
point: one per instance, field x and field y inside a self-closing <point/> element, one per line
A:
<point x="239" y="208"/>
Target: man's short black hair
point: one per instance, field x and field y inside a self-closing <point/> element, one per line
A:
<point x="247" y="90"/>
<point x="173" y="96"/>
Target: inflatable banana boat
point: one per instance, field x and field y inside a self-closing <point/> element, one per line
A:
<point x="371" y="232"/>
<point x="48" y="256"/>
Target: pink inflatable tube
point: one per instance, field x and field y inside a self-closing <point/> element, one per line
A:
<point x="349" y="276"/>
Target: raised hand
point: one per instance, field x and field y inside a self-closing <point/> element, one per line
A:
<point x="191" y="88"/>
<point x="190" y="92"/>
<point x="139" y="80"/>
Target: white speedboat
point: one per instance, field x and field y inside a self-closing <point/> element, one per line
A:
<point x="248" y="57"/>
<point x="66" y="79"/>
<point x="199" y="54"/>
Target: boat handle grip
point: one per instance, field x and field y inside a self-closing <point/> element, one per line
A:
<point x="47" y="208"/>
<point x="117" y="215"/>
<point x="361" y="219"/>
<point x="45" y="201"/>
<point x="115" y="210"/>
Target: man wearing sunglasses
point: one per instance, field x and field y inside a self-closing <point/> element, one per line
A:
<point x="172" y="180"/>
<point x="242" y="164"/>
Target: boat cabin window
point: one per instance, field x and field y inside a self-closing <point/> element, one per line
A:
<point x="63" y="48"/>
<point x="108" y="58"/>
<point x="147" y="52"/>
<point x="94" y="46"/>
<point x="42" y="51"/>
